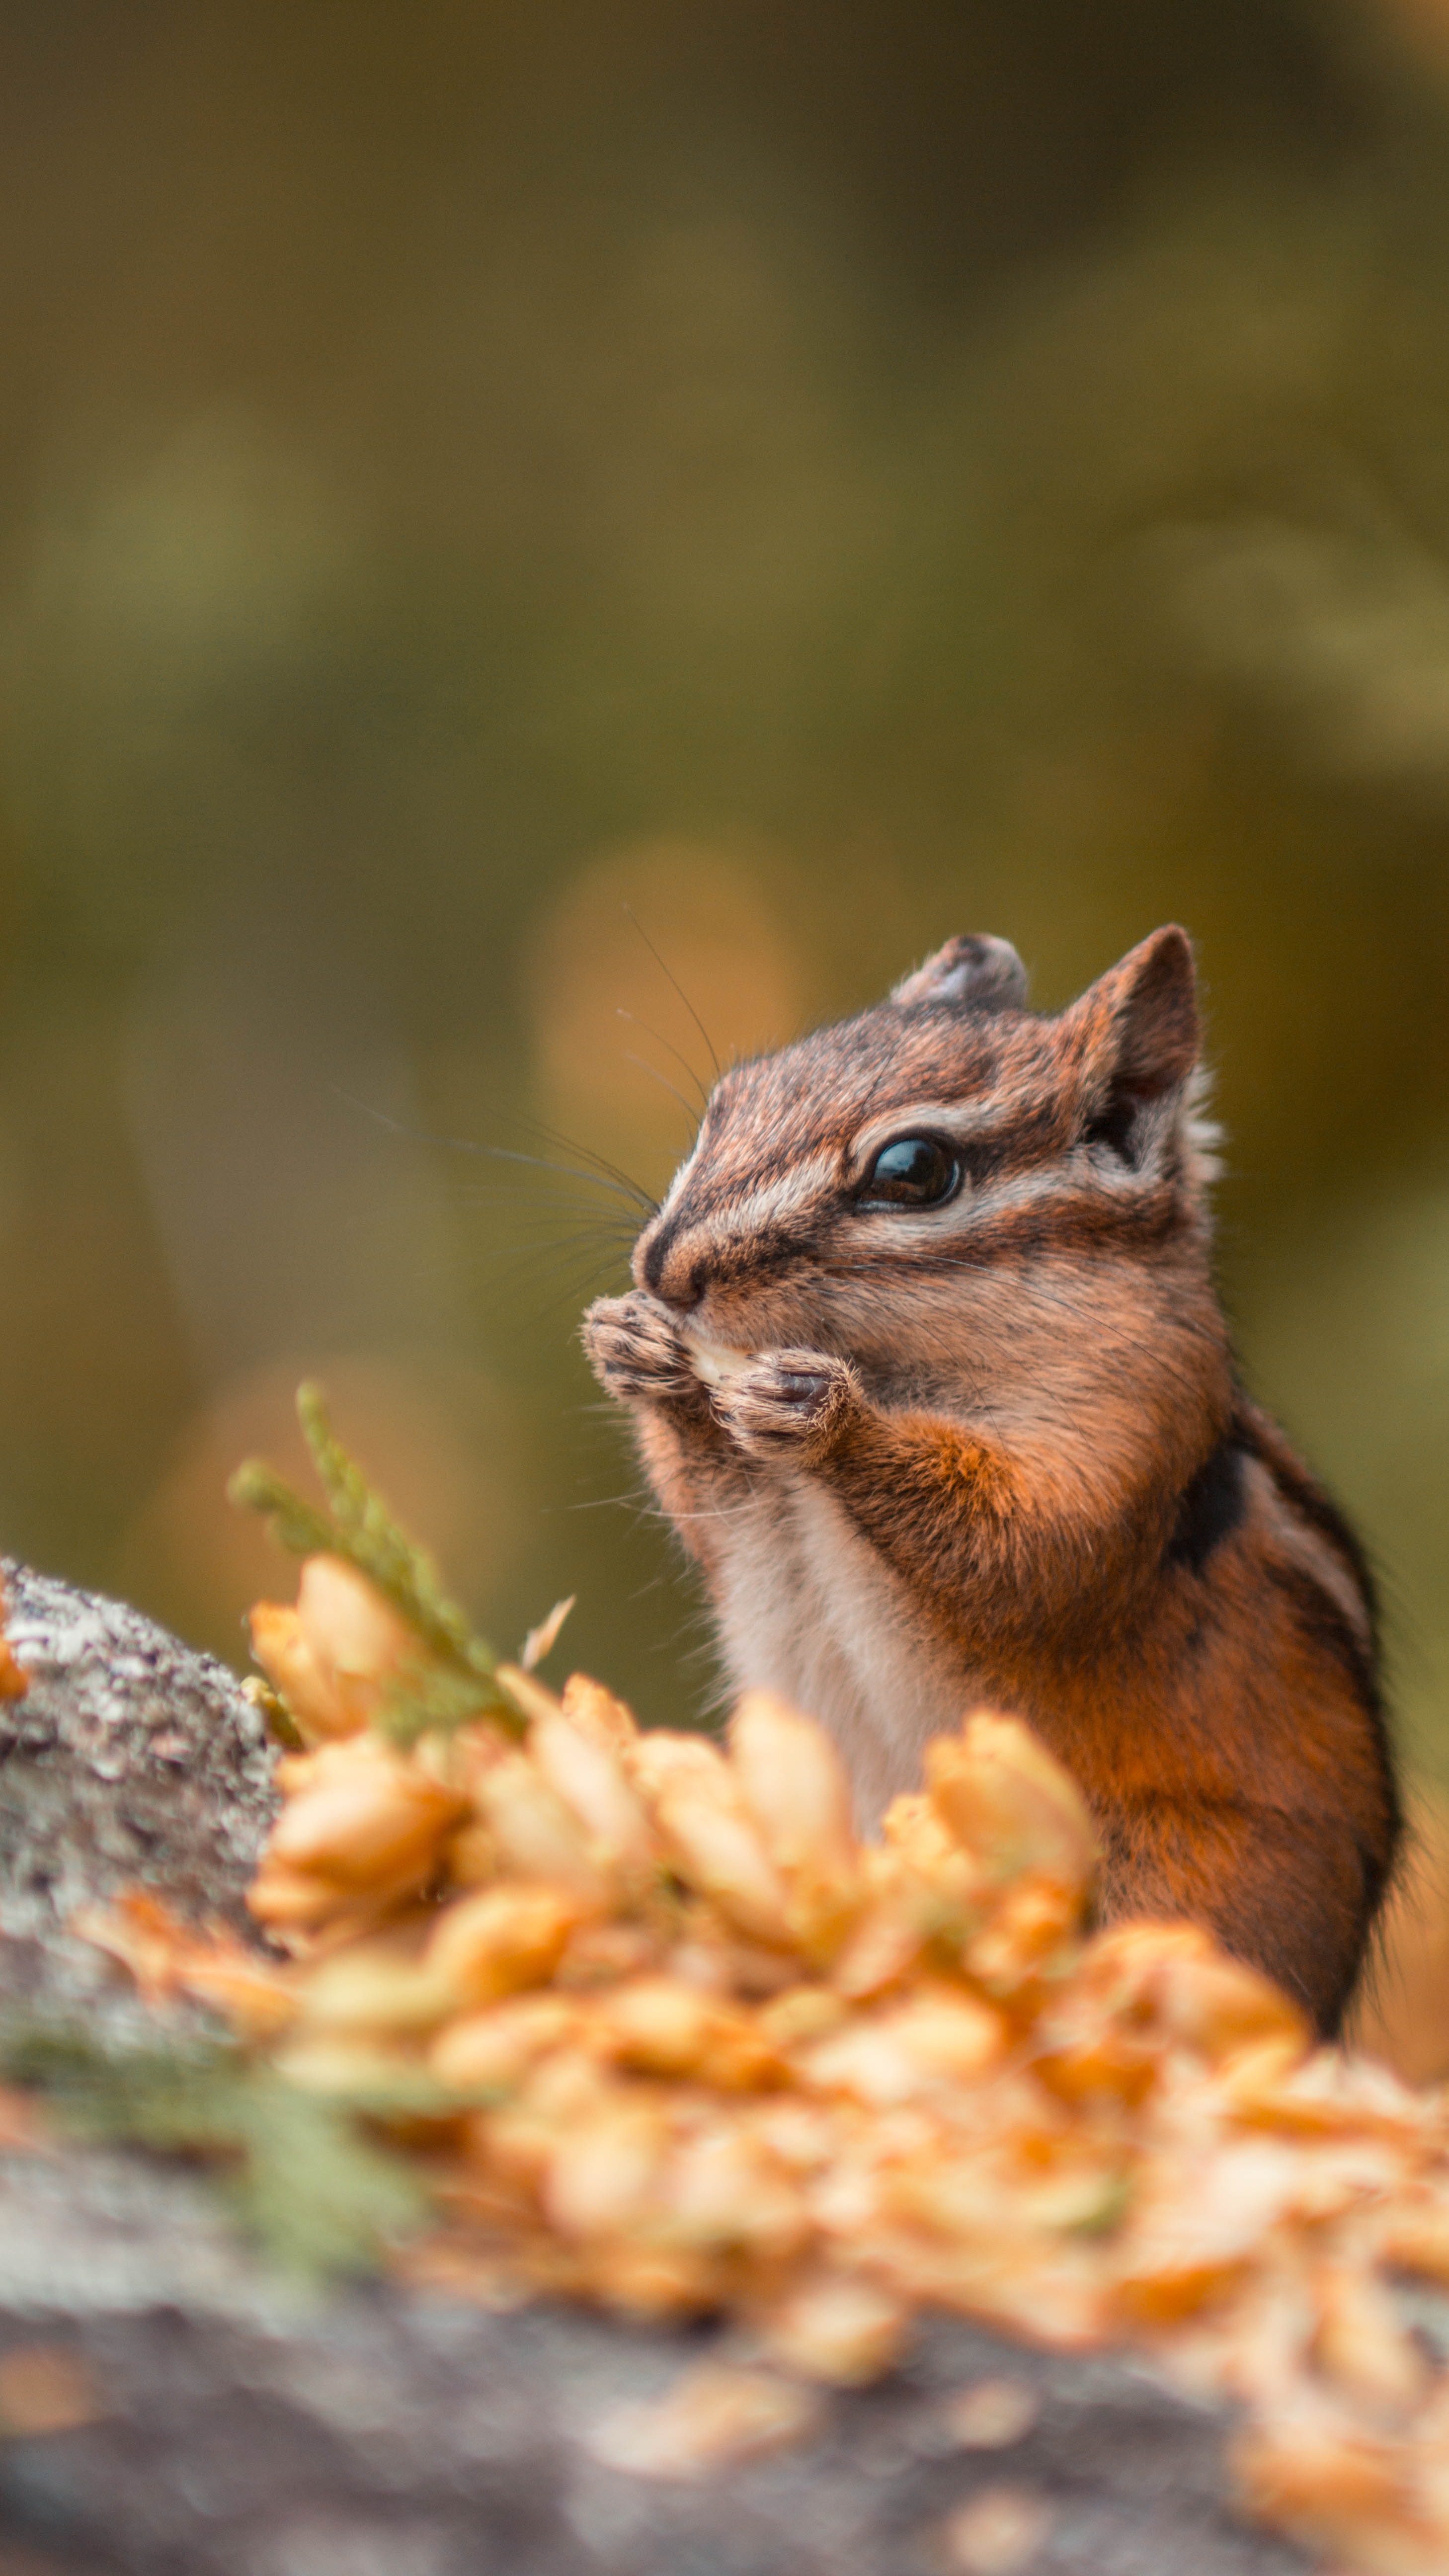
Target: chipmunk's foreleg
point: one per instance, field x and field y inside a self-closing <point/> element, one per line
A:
<point x="925" y="1492"/>
<point x="640" y="1357"/>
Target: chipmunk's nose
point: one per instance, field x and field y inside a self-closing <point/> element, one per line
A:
<point x="664" y="1264"/>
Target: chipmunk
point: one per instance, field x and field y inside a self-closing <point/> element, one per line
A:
<point x="927" y="1367"/>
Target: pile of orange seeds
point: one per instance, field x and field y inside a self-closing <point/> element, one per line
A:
<point x="664" y="2033"/>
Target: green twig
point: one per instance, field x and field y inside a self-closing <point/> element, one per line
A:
<point x="359" y="1527"/>
<point x="319" y="2196"/>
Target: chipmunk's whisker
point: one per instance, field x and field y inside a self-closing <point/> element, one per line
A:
<point x="664" y="1082"/>
<point x="598" y="1168"/>
<point x="679" y="988"/>
<point x="659" y="1040"/>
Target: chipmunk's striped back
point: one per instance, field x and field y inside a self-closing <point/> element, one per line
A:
<point x="978" y="1437"/>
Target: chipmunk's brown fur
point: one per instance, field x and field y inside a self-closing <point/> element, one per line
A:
<point x="992" y="1449"/>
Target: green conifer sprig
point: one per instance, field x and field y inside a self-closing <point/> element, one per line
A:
<point x="320" y="2196"/>
<point x="429" y="1699"/>
<point x="359" y="1527"/>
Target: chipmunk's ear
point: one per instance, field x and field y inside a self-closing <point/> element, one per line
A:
<point x="1138" y="1033"/>
<point x="1151" y="1016"/>
<point x="983" y="973"/>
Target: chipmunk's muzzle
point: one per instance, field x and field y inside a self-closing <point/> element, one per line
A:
<point x="669" y="1265"/>
<point x="682" y="1259"/>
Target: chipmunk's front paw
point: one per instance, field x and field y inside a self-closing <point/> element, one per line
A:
<point x="637" y="1353"/>
<point x="787" y="1404"/>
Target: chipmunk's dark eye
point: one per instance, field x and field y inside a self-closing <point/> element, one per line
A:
<point x="912" y="1171"/>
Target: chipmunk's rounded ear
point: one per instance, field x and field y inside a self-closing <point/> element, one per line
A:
<point x="986" y="974"/>
<point x="1142" y="1016"/>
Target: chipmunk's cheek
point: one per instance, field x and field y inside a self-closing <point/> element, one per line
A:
<point x="787" y="1404"/>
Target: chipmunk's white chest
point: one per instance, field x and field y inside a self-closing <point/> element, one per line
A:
<point x="808" y="1608"/>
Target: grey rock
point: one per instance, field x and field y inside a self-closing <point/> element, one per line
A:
<point x="131" y="1761"/>
<point x="236" y="2428"/>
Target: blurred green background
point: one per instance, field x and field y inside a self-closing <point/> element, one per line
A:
<point x="821" y="476"/>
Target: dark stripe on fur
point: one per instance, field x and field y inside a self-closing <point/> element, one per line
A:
<point x="1304" y="1495"/>
<point x="1029" y="1141"/>
<point x="1211" y="1508"/>
<point x="1320" y="1618"/>
<point x="1076" y="1225"/>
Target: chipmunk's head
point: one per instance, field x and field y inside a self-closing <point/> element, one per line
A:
<point x="949" y="1157"/>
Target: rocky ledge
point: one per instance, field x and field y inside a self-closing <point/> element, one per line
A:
<point x="168" y="2406"/>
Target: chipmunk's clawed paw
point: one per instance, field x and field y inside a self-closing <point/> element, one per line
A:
<point x="637" y="1353"/>
<point x="786" y="1404"/>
